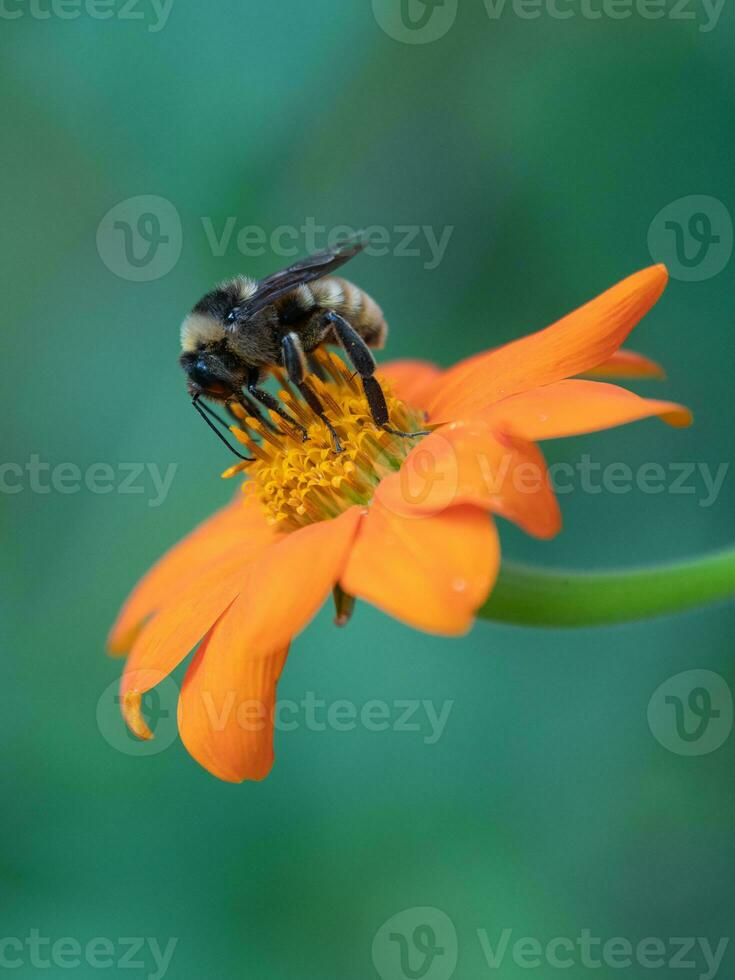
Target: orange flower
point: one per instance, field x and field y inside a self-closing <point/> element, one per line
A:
<point x="405" y="525"/>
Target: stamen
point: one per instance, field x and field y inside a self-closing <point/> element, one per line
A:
<point x="300" y="483"/>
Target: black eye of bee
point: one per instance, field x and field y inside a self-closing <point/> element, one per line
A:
<point x="204" y="374"/>
<point x="232" y="315"/>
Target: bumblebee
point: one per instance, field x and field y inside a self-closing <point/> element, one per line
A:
<point x="243" y="328"/>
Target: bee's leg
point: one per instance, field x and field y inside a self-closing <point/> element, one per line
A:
<point x="295" y="361"/>
<point x="265" y="398"/>
<point x="251" y="407"/>
<point x="317" y="408"/>
<point x="363" y="362"/>
<point x="316" y="368"/>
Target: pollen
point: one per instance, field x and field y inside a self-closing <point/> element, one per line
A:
<point x="299" y="481"/>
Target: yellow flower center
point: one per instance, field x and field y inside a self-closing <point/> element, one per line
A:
<point x="300" y="482"/>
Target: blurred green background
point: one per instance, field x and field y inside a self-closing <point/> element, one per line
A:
<point x="548" y="146"/>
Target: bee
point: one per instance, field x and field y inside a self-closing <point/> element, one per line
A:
<point x="239" y="331"/>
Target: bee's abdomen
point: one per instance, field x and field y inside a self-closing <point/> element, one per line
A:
<point x="360" y="310"/>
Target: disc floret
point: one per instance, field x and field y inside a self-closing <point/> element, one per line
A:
<point x="301" y="481"/>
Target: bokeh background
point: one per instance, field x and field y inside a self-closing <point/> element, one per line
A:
<point x="548" y="146"/>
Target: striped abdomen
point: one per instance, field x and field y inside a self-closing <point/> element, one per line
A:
<point x="360" y="310"/>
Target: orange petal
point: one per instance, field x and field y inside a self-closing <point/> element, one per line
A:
<point x="290" y="580"/>
<point x="570" y="408"/>
<point x="226" y="707"/>
<point x="242" y="520"/>
<point x="179" y="626"/>
<point x="431" y="572"/>
<point x="414" y="382"/>
<point x="243" y="655"/>
<point x="627" y="364"/>
<point x="468" y="463"/>
<point x="578" y="342"/>
<point x="624" y="363"/>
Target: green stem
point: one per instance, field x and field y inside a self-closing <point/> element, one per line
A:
<point x="532" y="597"/>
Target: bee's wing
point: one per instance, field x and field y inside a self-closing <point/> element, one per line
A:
<point x="313" y="267"/>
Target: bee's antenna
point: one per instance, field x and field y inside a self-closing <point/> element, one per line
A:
<point x="215" y="415"/>
<point x="203" y="409"/>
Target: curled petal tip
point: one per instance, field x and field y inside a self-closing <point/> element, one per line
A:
<point x="131" y="709"/>
<point x="678" y="416"/>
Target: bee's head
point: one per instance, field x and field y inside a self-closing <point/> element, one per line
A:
<point x="207" y="375"/>
<point x="211" y="367"/>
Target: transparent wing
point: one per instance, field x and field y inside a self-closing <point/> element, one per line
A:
<point x="307" y="270"/>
